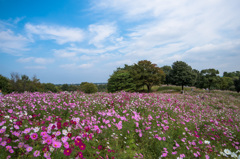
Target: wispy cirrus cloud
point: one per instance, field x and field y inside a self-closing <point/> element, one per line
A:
<point x="13" y="43"/>
<point x="99" y="33"/>
<point x="37" y="60"/>
<point x="60" y="34"/>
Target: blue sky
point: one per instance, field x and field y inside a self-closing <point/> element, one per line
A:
<point x="72" y="41"/>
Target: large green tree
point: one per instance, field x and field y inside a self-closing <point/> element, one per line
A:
<point x="209" y="78"/>
<point x="182" y="74"/>
<point x="121" y="80"/>
<point x="147" y="73"/>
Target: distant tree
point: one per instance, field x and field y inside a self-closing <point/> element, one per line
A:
<point x="102" y="87"/>
<point x="209" y="78"/>
<point x="72" y="87"/>
<point x="197" y="74"/>
<point x="231" y="74"/>
<point x="237" y="84"/>
<point x="88" y="87"/>
<point x="182" y="74"/>
<point x="49" y="87"/>
<point x="4" y="84"/>
<point x="167" y="70"/>
<point x="121" y="80"/>
<point x="15" y="82"/>
<point x="147" y="73"/>
<point x="64" y="87"/>
<point x="25" y="83"/>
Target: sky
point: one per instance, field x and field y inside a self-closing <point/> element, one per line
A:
<point x="74" y="41"/>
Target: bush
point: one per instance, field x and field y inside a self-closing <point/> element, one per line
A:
<point x="88" y="87"/>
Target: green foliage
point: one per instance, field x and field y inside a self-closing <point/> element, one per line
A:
<point x="167" y="69"/>
<point x="209" y="78"/>
<point x="226" y="83"/>
<point x="146" y="73"/>
<point x="237" y="84"/>
<point x="182" y="74"/>
<point x="4" y="84"/>
<point x="88" y="87"/>
<point x="231" y="74"/>
<point x="121" y="80"/>
<point x="49" y="87"/>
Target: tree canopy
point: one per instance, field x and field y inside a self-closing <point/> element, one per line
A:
<point x="182" y="74"/>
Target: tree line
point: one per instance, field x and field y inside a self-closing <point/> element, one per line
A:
<point x="145" y="73"/>
<point x="21" y="83"/>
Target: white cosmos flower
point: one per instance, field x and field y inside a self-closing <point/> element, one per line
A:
<point x="234" y="155"/>
<point x="227" y="152"/>
<point x="207" y="142"/>
<point x="36" y="129"/>
<point x="64" y="132"/>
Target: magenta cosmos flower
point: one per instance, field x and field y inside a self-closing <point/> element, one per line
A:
<point x="82" y="146"/>
<point x="67" y="152"/>
<point x="34" y="136"/>
<point x="80" y="155"/>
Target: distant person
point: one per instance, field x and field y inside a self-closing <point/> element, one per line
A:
<point x="0" y="92"/>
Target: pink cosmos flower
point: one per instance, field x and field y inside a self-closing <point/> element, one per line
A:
<point x="34" y="136"/>
<point x="174" y="153"/>
<point x="56" y="144"/>
<point x="16" y="127"/>
<point x="8" y="147"/>
<point x="182" y="155"/>
<point x="10" y="110"/>
<point x="66" y="145"/>
<point x="36" y="153"/>
<point x="164" y="155"/>
<point x="47" y="154"/>
<point x="64" y="139"/>
<point x="2" y="131"/>
<point x="3" y="143"/>
<point x="28" y="149"/>
<point x="11" y="151"/>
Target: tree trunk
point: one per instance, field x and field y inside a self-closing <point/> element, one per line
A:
<point x="149" y="88"/>
<point x="182" y="89"/>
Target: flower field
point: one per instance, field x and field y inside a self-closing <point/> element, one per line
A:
<point x="119" y="125"/>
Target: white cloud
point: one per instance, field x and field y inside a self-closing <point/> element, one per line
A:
<point x="99" y="33"/>
<point x="64" y="53"/>
<point x="12" y="43"/>
<point x="74" y="66"/>
<point x="37" y="60"/>
<point x="35" y="67"/>
<point x="58" y="33"/>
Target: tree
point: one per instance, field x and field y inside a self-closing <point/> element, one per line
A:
<point x="49" y="87"/>
<point x="182" y="74"/>
<point x="4" y="84"/>
<point x="167" y="69"/>
<point x="88" y="87"/>
<point x="146" y="73"/>
<point x="64" y="87"/>
<point x="121" y="80"/>
<point x="226" y="83"/>
<point x="237" y="84"/>
<point x="209" y="78"/>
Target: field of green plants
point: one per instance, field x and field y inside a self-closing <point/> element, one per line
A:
<point x="119" y="125"/>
